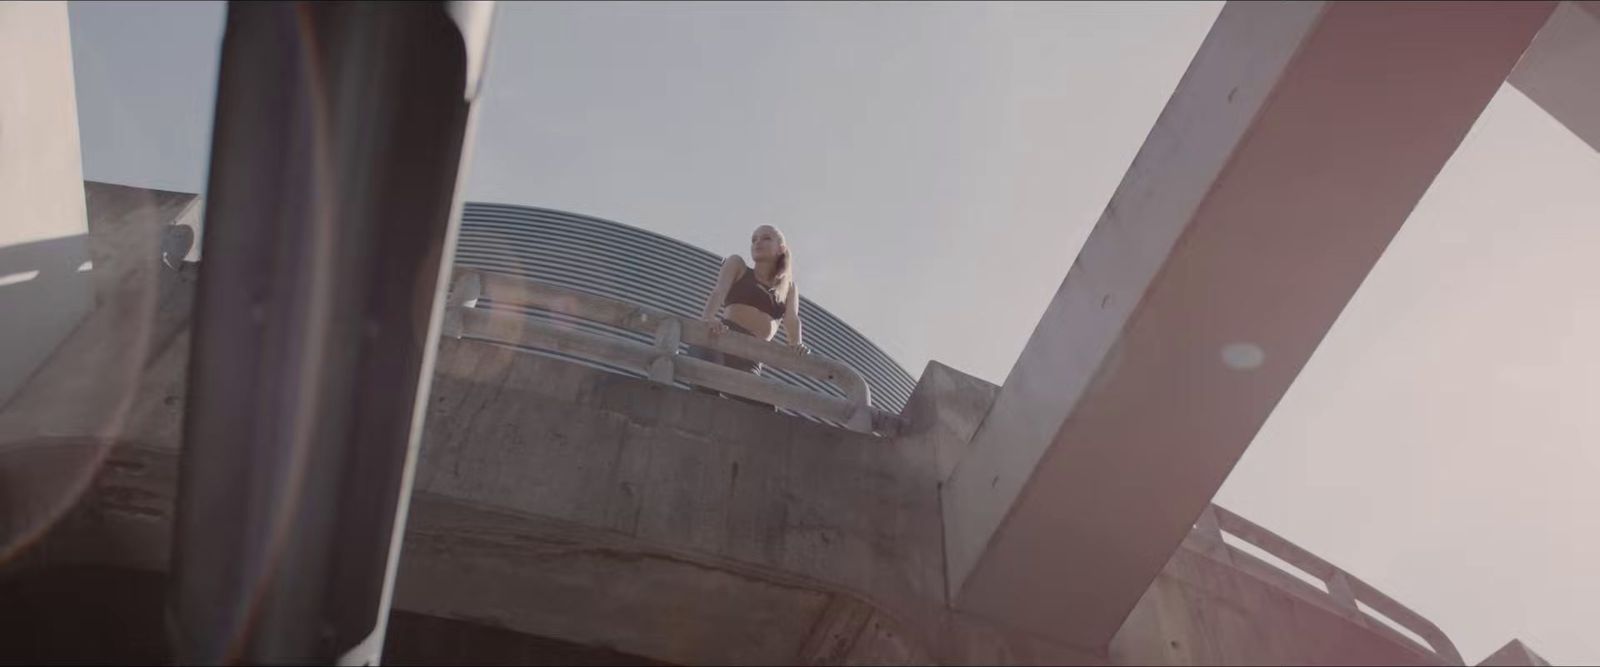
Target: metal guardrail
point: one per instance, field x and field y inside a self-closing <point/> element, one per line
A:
<point x="661" y="361"/>
<point x="1346" y="592"/>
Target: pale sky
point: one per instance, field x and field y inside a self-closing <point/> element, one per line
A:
<point x="937" y="166"/>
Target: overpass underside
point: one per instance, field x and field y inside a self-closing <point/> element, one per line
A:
<point x="1062" y="517"/>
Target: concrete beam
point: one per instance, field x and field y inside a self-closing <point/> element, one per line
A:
<point x="1294" y="147"/>
<point x="1558" y="71"/>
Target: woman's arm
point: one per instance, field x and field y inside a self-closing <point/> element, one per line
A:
<point x="791" y="316"/>
<point x="730" y="269"/>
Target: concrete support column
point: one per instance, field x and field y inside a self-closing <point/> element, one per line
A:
<point x="1299" y="140"/>
<point x="1207" y="534"/>
<point x="1339" y="589"/>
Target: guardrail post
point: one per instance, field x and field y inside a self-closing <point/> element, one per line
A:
<point x="1339" y="589"/>
<point x="668" y="335"/>
<point x="1208" y="532"/>
<point x="861" y="419"/>
<point x="463" y="294"/>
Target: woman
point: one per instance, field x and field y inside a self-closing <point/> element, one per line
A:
<point x="756" y="298"/>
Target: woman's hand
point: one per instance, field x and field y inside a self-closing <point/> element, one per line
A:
<point x="799" y="349"/>
<point x="717" y="327"/>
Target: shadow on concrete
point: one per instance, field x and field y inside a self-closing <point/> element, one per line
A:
<point x="45" y="291"/>
<point x="81" y="318"/>
<point x="104" y="615"/>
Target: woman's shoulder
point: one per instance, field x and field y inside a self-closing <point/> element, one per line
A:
<point x="734" y="262"/>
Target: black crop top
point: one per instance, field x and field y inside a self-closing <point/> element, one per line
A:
<point x="750" y="292"/>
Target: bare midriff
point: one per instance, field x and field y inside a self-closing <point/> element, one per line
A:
<point x="752" y="319"/>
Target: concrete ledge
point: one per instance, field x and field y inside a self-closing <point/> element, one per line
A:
<point x="1203" y="611"/>
<point x="599" y="588"/>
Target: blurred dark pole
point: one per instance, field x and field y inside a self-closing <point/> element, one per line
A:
<point x="330" y="221"/>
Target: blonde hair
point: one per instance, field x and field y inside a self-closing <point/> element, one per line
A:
<point x="783" y="268"/>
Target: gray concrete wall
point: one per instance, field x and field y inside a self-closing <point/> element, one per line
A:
<point x="760" y="524"/>
<point x="562" y="502"/>
<point x="115" y="379"/>
<point x="1202" y="610"/>
<point x="43" y="228"/>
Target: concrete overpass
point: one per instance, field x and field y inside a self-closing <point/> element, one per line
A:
<point x="1061" y="517"/>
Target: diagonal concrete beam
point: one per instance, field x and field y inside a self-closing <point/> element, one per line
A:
<point x="1296" y="144"/>
<point x="1559" y="70"/>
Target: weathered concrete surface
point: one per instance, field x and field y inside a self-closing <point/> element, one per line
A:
<point x="1292" y="150"/>
<point x="117" y="377"/>
<point x="1514" y="654"/>
<point x="598" y="588"/>
<point x="1558" y="71"/>
<point x="142" y="298"/>
<point x="683" y="472"/>
<point x="1203" y="610"/>
<point x="567" y="528"/>
<point x="95" y="615"/>
<point x="943" y="413"/>
<point x="417" y="639"/>
<point x="41" y="186"/>
<point x="665" y="532"/>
